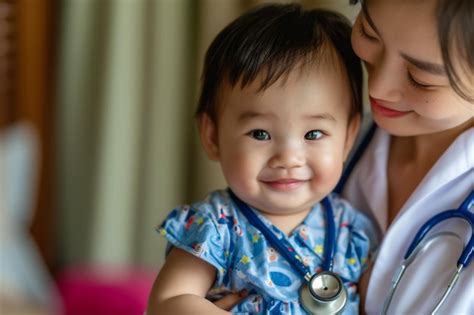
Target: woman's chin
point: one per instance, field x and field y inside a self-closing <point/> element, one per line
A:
<point x="394" y="126"/>
<point x="408" y="126"/>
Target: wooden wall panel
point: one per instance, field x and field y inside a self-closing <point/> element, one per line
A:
<point x="7" y="57"/>
<point x="33" y="102"/>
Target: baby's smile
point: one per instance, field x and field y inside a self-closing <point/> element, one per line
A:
<point x="285" y="184"/>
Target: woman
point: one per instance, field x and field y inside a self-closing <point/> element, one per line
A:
<point x="419" y="57"/>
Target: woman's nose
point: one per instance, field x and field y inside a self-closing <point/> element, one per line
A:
<point x="287" y="157"/>
<point x="384" y="79"/>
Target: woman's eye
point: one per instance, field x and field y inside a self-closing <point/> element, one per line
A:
<point x="364" y="33"/>
<point x="259" y="134"/>
<point x="417" y="84"/>
<point x="314" y="135"/>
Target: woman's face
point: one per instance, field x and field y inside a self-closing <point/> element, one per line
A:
<point x="409" y="90"/>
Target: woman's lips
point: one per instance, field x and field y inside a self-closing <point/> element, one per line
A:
<point x="384" y="111"/>
<point x="284" y="184"/>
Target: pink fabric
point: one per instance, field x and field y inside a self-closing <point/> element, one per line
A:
<point x="103" y="291"/>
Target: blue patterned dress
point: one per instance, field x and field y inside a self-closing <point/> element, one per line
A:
<point x="217" y="232"/>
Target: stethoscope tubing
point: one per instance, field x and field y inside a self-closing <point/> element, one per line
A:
<point x="329" y="244"/>
<point x="464" y="260"/>
<point x="355" y="158"/>
<point x="467" y="254"/>
<point x="330" y="239"/>
<point x="462" y="212"/>
<point x="312" y="301"/>
<point x="254" y="220"/>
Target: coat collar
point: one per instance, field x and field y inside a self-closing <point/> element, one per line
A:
<point x="456" y="160"/>
<point x="374" y="189"/>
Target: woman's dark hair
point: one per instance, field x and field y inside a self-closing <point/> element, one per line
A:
<point x="455" y="19"/>
<point x="272" y="40"/>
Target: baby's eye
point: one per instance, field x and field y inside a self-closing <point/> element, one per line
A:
<point x="259" y="134"/>
<point x="314" y="135"/>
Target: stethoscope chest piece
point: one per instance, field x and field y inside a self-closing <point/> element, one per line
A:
<point x="324" y="294"/>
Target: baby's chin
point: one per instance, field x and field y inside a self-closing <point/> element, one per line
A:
<point x="276" y="202"/>
<point x="283" y="208"/>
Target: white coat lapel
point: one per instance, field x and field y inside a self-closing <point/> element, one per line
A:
<point x="373" y="188"/>
<point x="458" y="159"/>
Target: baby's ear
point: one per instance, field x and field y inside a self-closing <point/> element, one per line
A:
<point x="352" y="131"/>
<point x="208" y="136"/>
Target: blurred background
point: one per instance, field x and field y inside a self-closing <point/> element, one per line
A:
<point x="98" y="143"/>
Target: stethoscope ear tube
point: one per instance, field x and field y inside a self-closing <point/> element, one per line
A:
<point x="467" y="254"/>
<point x="450" y="287"/>
<point x="420" y="247"/>
<point x="395" y="281"/>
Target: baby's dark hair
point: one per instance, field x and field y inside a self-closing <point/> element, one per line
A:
<point x="269" y="42"/>
<point x="455" y="22"/>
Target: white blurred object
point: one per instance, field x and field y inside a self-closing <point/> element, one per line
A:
<point x="24" y="279"/>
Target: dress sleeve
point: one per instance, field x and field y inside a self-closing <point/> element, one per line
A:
<point x="197" y="232"/>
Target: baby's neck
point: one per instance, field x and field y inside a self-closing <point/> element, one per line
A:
<point x="287" y="222"/>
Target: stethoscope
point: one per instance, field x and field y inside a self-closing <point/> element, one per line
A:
<point x="322" y="293"/>
<point x="421" y="241"/>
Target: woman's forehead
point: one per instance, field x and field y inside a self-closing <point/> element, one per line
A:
<point x="407" y="27"/>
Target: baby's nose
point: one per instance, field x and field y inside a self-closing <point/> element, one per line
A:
<point x="288" y="157"/>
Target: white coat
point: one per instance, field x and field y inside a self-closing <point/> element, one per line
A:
<point x="445" y="186"/>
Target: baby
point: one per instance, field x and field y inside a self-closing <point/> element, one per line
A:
<point x="279" y="109"/>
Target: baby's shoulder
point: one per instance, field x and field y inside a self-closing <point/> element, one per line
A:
<point x="343" y="209"/>
<point x="215" y="205"/>
<point x="341" y="204"/>
<point x="216" y="208"/>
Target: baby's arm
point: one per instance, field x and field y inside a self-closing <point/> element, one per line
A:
<point x="181" y="286"/>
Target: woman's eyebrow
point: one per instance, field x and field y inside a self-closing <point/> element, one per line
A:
<point x="429" y="67"/>
<point x="369" y="20"/>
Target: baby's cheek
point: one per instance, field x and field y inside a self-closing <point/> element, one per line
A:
<point x="328" y="171"/>
<point x="240" y="171"/>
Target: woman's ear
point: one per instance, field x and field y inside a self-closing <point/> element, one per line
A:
<point x="208" y="136"/>
<point x="352" y="131"/>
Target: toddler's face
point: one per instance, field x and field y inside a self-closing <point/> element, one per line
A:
<point x="282" y="149"/>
